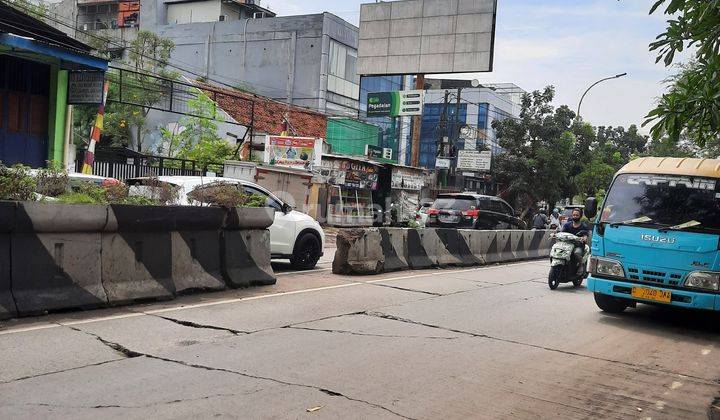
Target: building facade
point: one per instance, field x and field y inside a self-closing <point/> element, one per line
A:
<point x="307" y="60"/>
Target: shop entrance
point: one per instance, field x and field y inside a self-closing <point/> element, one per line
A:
<point x="24" y="91"/>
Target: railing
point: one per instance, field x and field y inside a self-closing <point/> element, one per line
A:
<point x="122" y="164"/>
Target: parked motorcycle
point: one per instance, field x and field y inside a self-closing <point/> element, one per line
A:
<point x="564" y="268"/>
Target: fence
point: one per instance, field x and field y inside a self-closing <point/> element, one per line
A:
<point x="123" y="164"/>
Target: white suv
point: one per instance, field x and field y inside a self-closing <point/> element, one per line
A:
<point x="293" y="235"/>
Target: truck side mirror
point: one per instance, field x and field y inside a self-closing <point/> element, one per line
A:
<point x="591" y="207"/>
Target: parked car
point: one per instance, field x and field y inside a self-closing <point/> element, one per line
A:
<point x="421" y="216"/>
<point x="566" y="212"/>
<point x="293" y="235"/>
<point x="76" y="177"/>
<point x="472" y="211"/>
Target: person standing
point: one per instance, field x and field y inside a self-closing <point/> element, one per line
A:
<point x="540" y="220"/>
<point x="555" y="219"/>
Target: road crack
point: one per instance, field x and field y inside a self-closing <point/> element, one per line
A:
<point x="536" y="346"/>
<point x="132" y="354"/>
<point x="39" y="375"/>
<point x="369" y="334"/>
<point x="199" y="326"/>
<point x="404" y="289"/>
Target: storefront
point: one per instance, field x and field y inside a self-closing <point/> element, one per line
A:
<point x="35" y="63"/>
<point x="346" y="188"/>
<point x="406" y="184"/>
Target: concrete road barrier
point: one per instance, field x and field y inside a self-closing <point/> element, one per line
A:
<point x="246" y="258"/>
<point x="196" y="262"/>
<point x="377" y="250"/>
<point x="7" y="221"/>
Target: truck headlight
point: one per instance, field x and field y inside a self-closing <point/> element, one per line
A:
<point x="703" y="280"/>
<point x="608" y="268"/>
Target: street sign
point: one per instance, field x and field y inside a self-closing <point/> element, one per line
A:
<point x="468" y="174"/>
<point x="442" y="163"/>
<point x="378" y="153"/>
<point x="474" y="160"/>
<point x="387" y="153"/>
<point x="395" y="104"/>
<point x="85" y="87"/>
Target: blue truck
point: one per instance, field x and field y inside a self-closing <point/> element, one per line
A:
<point x="656" y="238"/>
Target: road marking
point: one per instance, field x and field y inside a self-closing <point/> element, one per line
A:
<point x="317" y="270"/>
<point x="139" y="313"/>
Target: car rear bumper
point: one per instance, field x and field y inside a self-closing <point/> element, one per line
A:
<point x="681" y="298"/>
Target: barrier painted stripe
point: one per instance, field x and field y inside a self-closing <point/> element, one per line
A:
<point x="236" y="300"/>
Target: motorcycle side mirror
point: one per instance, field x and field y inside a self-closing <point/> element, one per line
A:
<point x="591" y="207"/>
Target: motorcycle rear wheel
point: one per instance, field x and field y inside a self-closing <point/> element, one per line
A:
<point x="556" y="273"/>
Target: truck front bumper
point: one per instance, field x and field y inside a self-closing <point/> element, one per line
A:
<point x="682" y="298"/>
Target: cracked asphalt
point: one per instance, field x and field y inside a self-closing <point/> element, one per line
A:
<point x="491" y="342"/>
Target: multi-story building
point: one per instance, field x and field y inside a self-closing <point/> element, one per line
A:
<point x="307" y="60"/>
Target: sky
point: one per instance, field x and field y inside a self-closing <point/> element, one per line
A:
<point x="566" y="43"/>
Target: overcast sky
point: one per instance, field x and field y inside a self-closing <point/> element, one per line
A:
<point x="566" y="43"/>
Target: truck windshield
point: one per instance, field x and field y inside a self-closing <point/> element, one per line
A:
<point x="665" y="200"/>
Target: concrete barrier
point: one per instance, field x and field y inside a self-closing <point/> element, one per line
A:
<point x="7" y="222"/>
<point x="377" y="250"/>
<point x="245" y="258"/>
<point x="196" y="262"/>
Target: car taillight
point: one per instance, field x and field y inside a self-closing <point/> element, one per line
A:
<point x="471" y="213"/>
<point x="433" y="212"/>
<point x="418" y="217"/>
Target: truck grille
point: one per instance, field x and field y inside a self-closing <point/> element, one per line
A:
<point x="654" y="276"/>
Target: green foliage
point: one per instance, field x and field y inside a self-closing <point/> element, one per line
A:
<point x="595" y="176"/>
<point x="225" y="195"/>
<point x="256" y="200"/>
<point x="538" y="151"/>
<point x="16" y="183"/>
<point x="692" y="102"/>
<point x="52" y="181"/>
<point x="197" y="139"/>
<point x="77" y="198"/>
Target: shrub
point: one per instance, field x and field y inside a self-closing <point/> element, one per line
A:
<point x="76" y="198"/>
<point x="52" y="181"/>
<point x="16" y="183"/>
<point x="217" y="194"/>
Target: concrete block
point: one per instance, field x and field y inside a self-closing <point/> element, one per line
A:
<point x="519" y="245"/>
<point x="393" y="242"/>
<point x="52" y="271"/>
<point x="505" y="246"/>
<point x="8" y="210"/>
<point x="196" y="261"/>
<point x="435" y="63"/>
<point x="438" y="25"/>
<point x="359" y="251"/>
<point x="373" y="47"/>
<point x="438" y="44"/>
<point x="375" y="11"/>
<point x="53" y="217"/>
<point x="375" y="29"/>
<point x="406" y="27"/>
<point x="126" y="218"/>
<point x="470" y="62"/>
<point x="397" y="64"/>
<point x="440" y="7"/>
<point x="458" y="251"/>
<point x="480" y="22"/>
<point x="407" y="9"/>
<point x="137" y="265"/>
<point x="417" y="257"/>
<point x="476" y="242"/>
<point x="408" y="45"/>
<point x="245" y="258"/>
<point x="436" y="249"/>
<point x="476" y="6"/>
<point x="473" y="42"/>
<point x="7" y="303"/>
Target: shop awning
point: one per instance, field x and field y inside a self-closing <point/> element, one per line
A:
<point x="64" y="55"/>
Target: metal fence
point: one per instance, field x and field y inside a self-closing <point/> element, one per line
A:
<point x="123" y="164"/>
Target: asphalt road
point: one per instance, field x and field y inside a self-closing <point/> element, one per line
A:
<point x="489" y="342"/>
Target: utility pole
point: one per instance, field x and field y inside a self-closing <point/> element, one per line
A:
<point x="456" y="127"/>
<point x="417" y="126"/>
<point x="442" y="136"/>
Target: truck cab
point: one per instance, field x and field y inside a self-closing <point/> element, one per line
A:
<point x="656" y="238"/>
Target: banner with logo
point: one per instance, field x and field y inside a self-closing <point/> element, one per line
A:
<point x="292" y="152"/>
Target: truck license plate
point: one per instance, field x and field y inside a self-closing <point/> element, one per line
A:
<point x="651" y="294"/>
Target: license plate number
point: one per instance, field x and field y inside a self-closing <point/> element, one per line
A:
<point x="652" y="294"/>
<point x="448" y="219"/>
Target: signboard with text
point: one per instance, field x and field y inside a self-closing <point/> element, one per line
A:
<point x="395" y="104"/>
<point x="85" y="87"/>
<point x="473" y="160"/>
<point x="292" y="152"/>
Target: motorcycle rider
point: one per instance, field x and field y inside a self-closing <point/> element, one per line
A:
<point x="555" y="219"/>
<point x="578" y="228"/>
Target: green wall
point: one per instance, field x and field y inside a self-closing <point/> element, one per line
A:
<point x="57" y="111"/>
<point x="349" y="137"/>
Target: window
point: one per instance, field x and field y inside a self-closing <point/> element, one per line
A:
<point x="342" y="75"/>
<point x="271" y="202"/>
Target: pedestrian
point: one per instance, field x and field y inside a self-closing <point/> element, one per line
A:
<point x="555" y="219"/>
<point x="540" y="220"/>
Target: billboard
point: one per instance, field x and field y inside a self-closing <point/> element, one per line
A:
<point x="473" y="160"/>
<point x="426" y="37"/>
<point x="395" y="104"/>
<point x="292" y="152"/>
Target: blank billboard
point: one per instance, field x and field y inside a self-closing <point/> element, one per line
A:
<point x="426" y="36"/>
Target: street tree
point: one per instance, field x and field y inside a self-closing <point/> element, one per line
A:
<point x="691" y="104"/>
<point x="538" y="149"/>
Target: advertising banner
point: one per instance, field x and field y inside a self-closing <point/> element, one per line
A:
<point x="292" y="152"/>
<point x="395" y="104"/>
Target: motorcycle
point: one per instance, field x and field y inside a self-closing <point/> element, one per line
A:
<point x="563" y="266"/>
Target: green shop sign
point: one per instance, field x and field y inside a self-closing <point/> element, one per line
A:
<point x="395" y="104"/>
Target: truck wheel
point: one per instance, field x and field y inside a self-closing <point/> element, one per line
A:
<point x="554" y="277"/>
<point x="307" y="252"/>
<point x="610" y="304"/>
